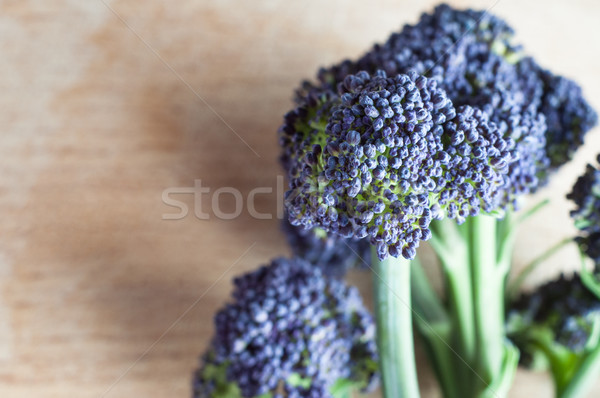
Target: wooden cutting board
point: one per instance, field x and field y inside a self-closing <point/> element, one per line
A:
<point x="108" y="108"/>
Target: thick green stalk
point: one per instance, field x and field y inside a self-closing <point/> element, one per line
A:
<point x="427" y="305"/>
<point x="488" y="297"/>
<point x="450" y="246"/>
<point x="506" y="235"/>
<point x="476" y="259"/>
<point x="435" y="329"/>
<point x="501" y="385"/>
<point x="585" y="377"/>
<point x="435" y="341"/>
<point x="392" y="292"/>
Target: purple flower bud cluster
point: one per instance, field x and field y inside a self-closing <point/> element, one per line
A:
<point x="524" y="132"/>
<point x="472" y="55"/>
<point x="438" y="46"/>
<point x="558" y="115"/>
<point x="564" y="306"/>
<point x="334" y="254"/>
<point x="586" y="196"/>
<point x="290" y="332"/>
<point x="568" y="116"/>
<point x="365" y="150"/>
<point x="392" y="156"/>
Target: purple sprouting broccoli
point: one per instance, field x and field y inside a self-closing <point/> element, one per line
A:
<point x="473" y="57"/>
<point x="387" y="155"/>
<point x="462" y="58"/>
<point x="559" y="313"/>
<point x="290" y="331"/>
<point x="586" y="196"/>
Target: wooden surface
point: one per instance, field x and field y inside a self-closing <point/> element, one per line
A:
<point x="102" y="110"/>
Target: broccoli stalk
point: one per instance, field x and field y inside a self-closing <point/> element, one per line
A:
<point x="484" y="362"/>
<point x="392" y="293"/>
<point x="496" y="359"/>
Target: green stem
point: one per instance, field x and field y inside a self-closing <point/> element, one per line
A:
<point x="449" y="243"/>
<point x="584" y="378"/>
<point x="394" y="327"/>
<point x="501" y="385"/>
<point x="488" y="297"/>
<point x="436" y="338"/>
<point x="450" y="246"/>
<point x="476" y="260"/>
<point x="426" y="303"/>
<point x="506" y="231"/>
<point x="435" y="330"/>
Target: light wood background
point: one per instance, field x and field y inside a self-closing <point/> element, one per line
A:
<point x="103" y="106"/>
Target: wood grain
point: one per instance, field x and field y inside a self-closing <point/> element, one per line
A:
<point x="102" y="111"/>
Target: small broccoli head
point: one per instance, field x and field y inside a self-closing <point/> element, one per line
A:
<point x="586" y="196"/>
<point x="562" y="312"/>
<point x="568" y="116"/>
<point x="586" y="216"/>
<point x="392" y="155"/>
<point x="290" y="332"/>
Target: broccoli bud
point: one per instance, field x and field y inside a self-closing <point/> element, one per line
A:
<point x="472" y="56"/>
<point x="385" y="157"/>
<point x="586" y="196"/>
<point x="563" y="309"/>
<point x="568" y="116"/>
<point x="290" y="331"/>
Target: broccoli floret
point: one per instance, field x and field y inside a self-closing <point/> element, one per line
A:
<point x="563" y="309"/>
<point x="435" y="47"/>
<point x="386" y="156"/>
<point x="472" y="56"/>
<point x="334" y="254"/>
<point x="524" y="132"/>
<point x="290" y="331"/>
<point x="586" y="196"/>
<point x="568" y="116"/>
